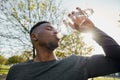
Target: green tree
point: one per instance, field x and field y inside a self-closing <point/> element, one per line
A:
<point x="16" y="59"/>
<point x="73" y="44"/>
<point x="27" y="55"/>
<point x="22" y="14"/>
<point x="3" y="60"/>
<point x="19" y="16"/>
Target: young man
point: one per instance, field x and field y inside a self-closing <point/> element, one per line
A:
<point x="46" y="66"/>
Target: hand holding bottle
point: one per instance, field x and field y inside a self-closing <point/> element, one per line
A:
<point x="80" y="20"/>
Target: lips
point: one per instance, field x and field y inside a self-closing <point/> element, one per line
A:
<point x="57" y="38"/>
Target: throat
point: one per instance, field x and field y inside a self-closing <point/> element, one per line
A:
<point x="45" y="57"/>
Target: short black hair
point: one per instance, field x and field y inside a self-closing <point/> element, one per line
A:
<point x="37" y="24"/>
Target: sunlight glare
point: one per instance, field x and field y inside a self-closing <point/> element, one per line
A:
<point x="88" y="39"/>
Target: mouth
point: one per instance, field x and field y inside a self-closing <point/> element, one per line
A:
<point x="57" y="38"/>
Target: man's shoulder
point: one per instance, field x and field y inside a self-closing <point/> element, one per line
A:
<point x="16" y="66"/>
<point x="74" y="58"/>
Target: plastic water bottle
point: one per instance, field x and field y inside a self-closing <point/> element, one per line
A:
<point x="86" y="12"/>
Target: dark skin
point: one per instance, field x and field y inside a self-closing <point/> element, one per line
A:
<point x="44" y="37"/>
<point x="45" y="41"/>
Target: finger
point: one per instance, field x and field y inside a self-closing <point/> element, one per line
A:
<point x="71" y="25"/>
<point x="80" y="11"/>
<point x="74" y="13"/>
<point x="65" y="23"/>
<point x="82" y="22"/>
<point x="84" y="12"/>
<point x="72" y="17"/>
<point x="79" y="19"/>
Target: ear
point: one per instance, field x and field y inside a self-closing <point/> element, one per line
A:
<point x="34" y="37"/>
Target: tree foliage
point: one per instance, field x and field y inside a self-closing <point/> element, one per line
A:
<point x="3" y="60"/>
<point x="73" y="44"/>
<point x="19" y="16"/>
<point x="16" y="59"/>
<point x="27" y="55"/>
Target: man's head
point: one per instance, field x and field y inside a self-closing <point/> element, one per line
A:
<point x="43" y="35"/>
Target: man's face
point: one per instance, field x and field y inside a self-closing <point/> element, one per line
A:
<point x="47" y="36"/>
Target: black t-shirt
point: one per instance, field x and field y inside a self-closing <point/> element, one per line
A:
<point x="69" y="68"/>
<point x="72" y="67"/>
<point x="66" y="69"/>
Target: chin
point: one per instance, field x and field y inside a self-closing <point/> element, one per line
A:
<point x="52" y="46"/>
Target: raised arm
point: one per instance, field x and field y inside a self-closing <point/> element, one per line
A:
<point x="98" y="65"/>
<point x="109" y="45"/>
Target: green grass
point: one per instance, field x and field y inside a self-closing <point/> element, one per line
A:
<point x="4" y="69"/>
<point x="106" y="78"/>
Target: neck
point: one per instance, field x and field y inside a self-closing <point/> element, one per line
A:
<point x="44" y="55"/>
